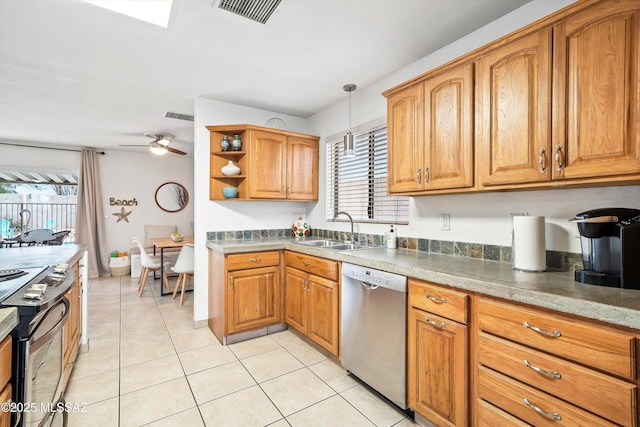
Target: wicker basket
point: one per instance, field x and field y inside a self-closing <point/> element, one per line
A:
<point x="125" y="270"/>
<point x="120" y="266"/>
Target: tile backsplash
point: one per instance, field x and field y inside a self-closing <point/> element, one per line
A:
<point x="555" y="260"/>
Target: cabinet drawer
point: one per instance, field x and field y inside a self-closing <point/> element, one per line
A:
<point x="439" y="300"/>
<point x="252" y="260"/>
<point x="511" y="396"/>
<point x="5" y="360"/>
<point x="593" y="345"/>
<point x="606" y="396"/>
<point x="490" y="416"/>
<point x="319" y="266"/>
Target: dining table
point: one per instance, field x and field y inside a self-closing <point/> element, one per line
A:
<point x="163" y="243"/>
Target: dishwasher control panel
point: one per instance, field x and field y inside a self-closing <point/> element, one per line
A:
<point x="374" y="277"/>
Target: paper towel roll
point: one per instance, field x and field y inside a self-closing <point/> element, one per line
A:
<point x="529" y="249"/>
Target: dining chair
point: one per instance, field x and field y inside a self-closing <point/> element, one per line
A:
<point x="184" y="268"/>
<point x="149" y="264"/>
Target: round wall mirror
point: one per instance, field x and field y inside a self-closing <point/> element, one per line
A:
<point x="172" y="197"/>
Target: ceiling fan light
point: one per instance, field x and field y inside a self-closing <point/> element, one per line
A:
<point x="157" y="148"/>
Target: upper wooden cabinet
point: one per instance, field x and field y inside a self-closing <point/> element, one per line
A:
<point x="431" y="133"/>
<point x="555" y="103"/>
<point x="274" y="164"/>
<point x="596" y="85"/>
<point x="514" y="112"/>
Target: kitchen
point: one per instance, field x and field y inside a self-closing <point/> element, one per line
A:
<point x="476" y="218"/>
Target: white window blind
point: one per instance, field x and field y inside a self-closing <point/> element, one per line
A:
<point x="358" y="185"/>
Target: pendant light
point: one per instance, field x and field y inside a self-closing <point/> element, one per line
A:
<point x="349" y="144"/>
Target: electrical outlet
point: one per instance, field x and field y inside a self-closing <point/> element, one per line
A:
<point x="445" y="222"/>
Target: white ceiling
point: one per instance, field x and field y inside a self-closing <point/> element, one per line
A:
<point x="75" y="74"/>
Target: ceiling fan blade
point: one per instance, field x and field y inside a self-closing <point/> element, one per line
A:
<point x="175" y="151"/>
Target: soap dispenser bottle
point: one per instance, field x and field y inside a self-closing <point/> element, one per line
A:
<point x="391" y="238"/>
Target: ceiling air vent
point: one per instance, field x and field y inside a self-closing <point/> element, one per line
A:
<point x="257" y="10"/>
<point x="179" y="116"/>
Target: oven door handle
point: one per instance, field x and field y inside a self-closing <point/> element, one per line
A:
<point x="54" y="329"/>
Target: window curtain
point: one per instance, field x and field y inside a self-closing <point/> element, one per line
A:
<point x="90" y="229"/>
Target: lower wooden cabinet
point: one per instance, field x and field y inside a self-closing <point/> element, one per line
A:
<point x="244" y="292"/>
<point x="5" y="376"/>
<point x="72" y="330"/>
<point x="548" y="368"/>
<point x="437" y="354"/>
<point x="311" y="301"/>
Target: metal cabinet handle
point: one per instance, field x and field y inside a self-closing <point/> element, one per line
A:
<point x="542" y="411"/>
<point x="436" y="300"/>
<point x="231" y="283"/>
<point x="419" y="175"/>
<point x="426" y="175"/>
<point x="555" y="332"/>
<point x="542" y="160"/>
<point x="554" y="374"/>
<point x="436" y="324"/>
<point x="256" y="259"/>
<point x="306" y="263"/>
<point x="559" y="161"/>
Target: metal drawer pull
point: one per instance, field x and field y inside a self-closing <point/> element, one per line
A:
<point x="541" y="160"/>
<point x="559" y="161"/>
<point x="306" y="263"/>
<point x="256" y="259"/>
<point x="436" y="300"/>
<point x="554" y="374"/>
<point x="436" y="324"/>
<point x="555" y="332"/>
<point x="542" y="411"/>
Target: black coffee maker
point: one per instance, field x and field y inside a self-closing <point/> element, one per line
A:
<point x="610" y="241"/>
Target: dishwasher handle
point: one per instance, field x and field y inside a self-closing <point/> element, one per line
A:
<point x="369" y="285"/>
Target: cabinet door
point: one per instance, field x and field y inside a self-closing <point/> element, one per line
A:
<point x="267" y="165"/>
<point x="448" y="129"/>
<point x="302" y="169"/>
<point x="322" y="306"/>
<point x="437" y="368"/>
<point x="514" y="127"/>
<point x="405" y="127"/>
<point x="253" y="300"/>
<point x="295" y="297"/>
<point x="596" y="92"/>
<point x="5" y="396"/>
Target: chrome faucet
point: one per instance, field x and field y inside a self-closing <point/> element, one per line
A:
<point x="350" y="220"/>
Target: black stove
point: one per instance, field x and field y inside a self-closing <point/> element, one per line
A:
<point x="39" y="295"/>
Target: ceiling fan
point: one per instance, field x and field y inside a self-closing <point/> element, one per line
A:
<point x="159" y="145"/>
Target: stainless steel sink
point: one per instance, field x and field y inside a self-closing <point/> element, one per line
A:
<point x="335" y="245"/>
<point x="320" y="243"/>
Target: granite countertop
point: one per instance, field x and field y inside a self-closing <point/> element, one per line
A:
<point x="553" y="290"/>
<point x="35" y="256"/>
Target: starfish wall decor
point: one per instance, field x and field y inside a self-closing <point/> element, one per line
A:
<point x="122" y="215"/>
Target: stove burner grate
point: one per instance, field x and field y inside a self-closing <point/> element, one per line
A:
<point x="11" y="274"/>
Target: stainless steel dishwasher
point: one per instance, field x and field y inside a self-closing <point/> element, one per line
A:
<point x="374" y="306"/>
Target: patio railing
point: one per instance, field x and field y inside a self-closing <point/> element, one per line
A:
<point x="54" y="216"/>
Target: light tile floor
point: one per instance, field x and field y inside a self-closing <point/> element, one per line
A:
<point x="147" y="365"/>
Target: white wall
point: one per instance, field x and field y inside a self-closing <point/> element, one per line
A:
<point x="125" y="175"/>
<point x="230" y="215"/>
<point x="477" y="218"/>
